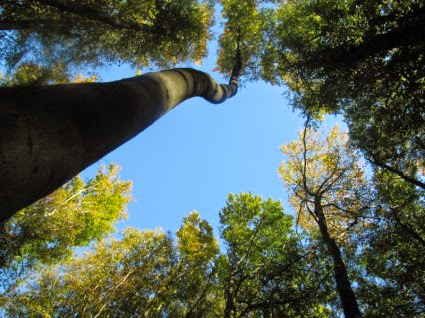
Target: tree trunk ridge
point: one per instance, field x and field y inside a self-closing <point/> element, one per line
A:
<point x="48" y="134"/>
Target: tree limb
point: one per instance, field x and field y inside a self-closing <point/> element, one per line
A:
<point x="382" y="165"/>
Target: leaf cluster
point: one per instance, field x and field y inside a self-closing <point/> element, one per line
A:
<point x="74" y="215"/>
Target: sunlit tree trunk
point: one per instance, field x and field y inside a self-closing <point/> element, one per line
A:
<point x="346" y="293"/>
<point x="48" y="134"/>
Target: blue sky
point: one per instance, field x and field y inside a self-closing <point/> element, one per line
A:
<point x="194" y="156"/>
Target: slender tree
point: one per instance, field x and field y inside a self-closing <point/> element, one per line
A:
<point x="326" y="184"/>
<point x="50" y="133"/>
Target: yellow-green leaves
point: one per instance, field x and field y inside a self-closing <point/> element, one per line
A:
<point x="114" y="277"/>
<point x="196" y="241"/>
<point x="72" y="216"/>
<point x="37" y="74"/>
<point x="243" y="27"/>
<point x="142" y="274"/>
<point x="324" y="166"/>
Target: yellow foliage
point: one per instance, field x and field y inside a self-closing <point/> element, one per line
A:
<point x="196" y="241"/>
<point x="324" y="166"/>
<point x="79" y="78"/>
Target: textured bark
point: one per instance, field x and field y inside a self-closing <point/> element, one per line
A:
<point x="346" y="293"/>
<point x="48" y="134"/>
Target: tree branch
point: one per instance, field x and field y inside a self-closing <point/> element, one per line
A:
<point x="410" y="32"/>
<point x="33" y="24"/>
<point x="382" y="165"/>
<point x="304" y="172"/>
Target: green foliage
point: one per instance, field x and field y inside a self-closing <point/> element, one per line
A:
<point x="74" y="215"/>
<point x="32" y="74"/>
<point x="118" y="277"/>
<point x="320" y="47"/>
<point x="392" y="250"/>
<point x="362" y="59"/>
<point x="243" y="26"/>
<point x="81" y="33"/>
<point x="36" y="74"/>
<point x="196" y="242"/>
<point x="266" y="271"/>
<point x="195" y="280"/>
<point x="142" y="274"/>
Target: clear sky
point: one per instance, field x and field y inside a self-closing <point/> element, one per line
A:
<point x="194" y="156"/>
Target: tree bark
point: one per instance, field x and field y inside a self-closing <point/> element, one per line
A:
<point x="48" y="134"/>
<point x="229" y="309"/>
<point x="346" y="293"/>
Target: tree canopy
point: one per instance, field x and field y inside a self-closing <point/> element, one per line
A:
<point x="75" y="33"/>
<point x="327" y="191"/>
<point x="73" y="216"/>
<point x="156" y="274"/>
<point x="267" y="270"/>
<point x="361" y="59"/>
<point x="358" y="197"/>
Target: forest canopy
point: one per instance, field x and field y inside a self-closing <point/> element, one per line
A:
<point x="87" y="33"/>
<point x="352" y="239"/>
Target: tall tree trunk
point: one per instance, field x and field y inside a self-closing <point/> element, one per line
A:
<point x="48" y="134"/>
<point x="229" y="307"/>
<point x="346" y="293"/>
